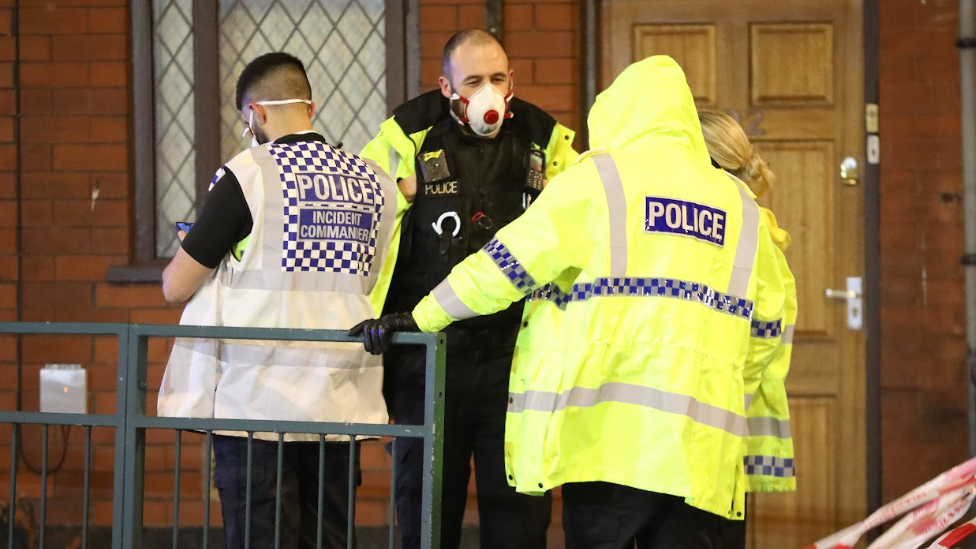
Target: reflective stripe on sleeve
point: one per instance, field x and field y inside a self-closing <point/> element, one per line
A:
<point x="745" y="251"/>
<point x="626" y="393"/>
<point x="788" y="334"/>
<point x="765" y="426"/>
<point x="617" y="204"/>
<point x="448" y="299"/>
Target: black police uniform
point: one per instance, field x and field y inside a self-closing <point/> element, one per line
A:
<point x="468" y="187"/>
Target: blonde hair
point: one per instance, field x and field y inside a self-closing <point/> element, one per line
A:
<point x="729" y="146"/>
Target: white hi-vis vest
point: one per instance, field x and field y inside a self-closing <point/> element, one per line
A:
<point x="323" y="221"/>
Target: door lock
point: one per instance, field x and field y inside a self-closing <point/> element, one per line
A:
<point x="848" y="171"/>
<point x="855" y="301"/>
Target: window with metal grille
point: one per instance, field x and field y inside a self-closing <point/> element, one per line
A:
<point x="187" y="55"/>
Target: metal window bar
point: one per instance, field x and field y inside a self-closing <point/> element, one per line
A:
<point x="131" y="423"/>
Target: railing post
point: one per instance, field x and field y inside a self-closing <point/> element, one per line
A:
<point x="430" y="521"/>
<point x="134" y="438"/>
<point x="118" y="482"/>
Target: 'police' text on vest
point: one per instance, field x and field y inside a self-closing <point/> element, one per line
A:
<point x="666" y="215"/>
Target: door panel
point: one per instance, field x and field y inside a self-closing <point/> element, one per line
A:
<point x="791" y="73"/>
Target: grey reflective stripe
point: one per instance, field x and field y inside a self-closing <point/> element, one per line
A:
<point x="625" y="393"/>
<point x="749" y="399"/>
<point x="769" y="427"/>
<point x="617" y="204"/>
<point x="745" y="250"/>
<point x="788" y="335"/>
<point x="448" y="299"/>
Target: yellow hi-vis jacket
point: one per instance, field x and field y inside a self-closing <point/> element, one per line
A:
<point x="768" y="453"/>
<point x="652" y="269"/>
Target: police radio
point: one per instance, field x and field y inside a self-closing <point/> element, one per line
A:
<point x="535" y="175"/>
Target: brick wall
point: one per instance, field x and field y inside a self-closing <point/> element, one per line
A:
<point x="76" y="194"/>
<point x="923" y="318"/>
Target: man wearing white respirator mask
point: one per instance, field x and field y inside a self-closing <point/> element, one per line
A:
<point x="470" y="158"/>
<point x="293" y="234"/>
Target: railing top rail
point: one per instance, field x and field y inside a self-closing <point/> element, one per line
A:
<point x="222" y="332"/>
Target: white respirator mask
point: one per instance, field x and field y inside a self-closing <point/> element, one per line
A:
<point x="250" y="116"/>
<point x="484" y="111"/>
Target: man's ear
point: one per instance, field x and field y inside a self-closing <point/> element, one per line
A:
<point x="511" y="80"/>
<point x="311" y="110"/>
<point x="445" y="85"/>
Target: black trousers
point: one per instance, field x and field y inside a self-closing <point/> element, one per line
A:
<point x="600" y="515"/>
<point x="476" y="401"/>
<point x="299" y="492"/>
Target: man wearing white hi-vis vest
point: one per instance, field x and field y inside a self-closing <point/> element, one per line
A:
<point x="293" y="235"/>
<point x="647" y="270"/>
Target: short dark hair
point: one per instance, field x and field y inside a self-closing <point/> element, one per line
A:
<point x="273" y="76"/>
<point x="479" y="37"/>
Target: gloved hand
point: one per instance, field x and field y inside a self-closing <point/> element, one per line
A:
<point x="378" y="332"/>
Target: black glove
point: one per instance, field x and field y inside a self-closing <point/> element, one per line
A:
<point x="378" y="332"/>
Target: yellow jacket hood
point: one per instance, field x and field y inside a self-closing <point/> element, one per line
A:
<point x="649" y="97"/>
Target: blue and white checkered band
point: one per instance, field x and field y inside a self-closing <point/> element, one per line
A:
<point x="769" y="466"/>
<point x="509" y="265"/>
<point x="648" y="287"/>
<point x="220" y="173"/>
<point x="332" y="212"/>
<point x="767" y="330"/>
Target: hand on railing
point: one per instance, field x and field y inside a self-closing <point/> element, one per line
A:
<point x="377" y="333"/>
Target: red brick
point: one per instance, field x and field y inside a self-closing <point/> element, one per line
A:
<point x="57" y="241"/>
<point x="471" y="17"/>
<point x="108" y="74"/>
<point x="110" y="241"/>
<point x="432" y="44"/>
<point x="106" y="101"/>
<point x="555" y="17"/>
<point x="540" y="44"/>
<point x="5" y="22"/>
<point x="438" y="18"/>
<point x="90" y="157"/>
<point x="55" y="129"/>
<point x="53" y="21"/>
<point x="35" y="158"/>
<point x="6" y="102"/>
<point x="524" y="72"/>
<point x="59" y="295"/>
<point x="7" y="136"/>
<point x="108" y="20"/>
<point x="430" y="70"/>
<point x="37" y="101"/>
<point x="549" y="98"/>
<point x="556" y="71"/>
<point x="109" y="129"/>
<point x="7" y="75"/>
<point x="157" y="316"/>
<point x="8" y="272"/>
<point x="6" y="48"/>
<point x="60" y="75"/>
<point x="38" y="268"/>
<point x="89" y="47"/>
<point x="8" y="241"/>
<point x="131" y="295"/>
<point x="111" y="184"/>
<point x="517" y="17"/>
<point x="55" y="185"/>
<point x="35" y="48"/>
<point x="85" y="213"/>
<point x="71" y="102"/>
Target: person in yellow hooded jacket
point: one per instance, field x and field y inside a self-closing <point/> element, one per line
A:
<point x="768" y="449"/>
<point x="653" y="271"/>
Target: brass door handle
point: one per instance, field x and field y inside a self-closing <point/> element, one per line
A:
<point x="848" y="171"/>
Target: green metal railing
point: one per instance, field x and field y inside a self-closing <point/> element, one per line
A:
<point x="131" y="423"/>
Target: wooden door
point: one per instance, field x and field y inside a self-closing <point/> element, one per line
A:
<point x="792" y="71"/>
